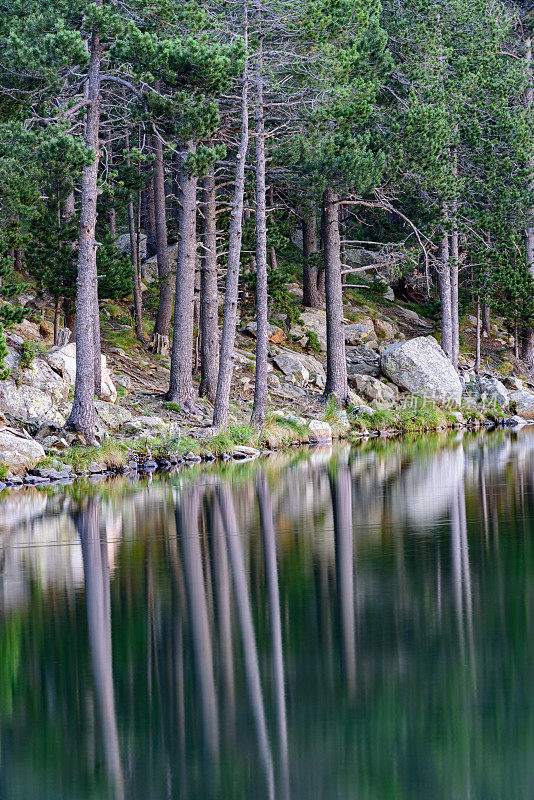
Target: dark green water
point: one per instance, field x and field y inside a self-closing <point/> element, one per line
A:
<point x="355" y="625"/>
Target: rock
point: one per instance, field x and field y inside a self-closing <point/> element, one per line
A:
<point x="145" y="426"/>
<point x="111" y="414"/>
<point x="312" y="319"/>
<point x="459" y="419"/>
<point x="514" y="383"/>
<point x="320" y="432"/>
<point x="373" y="389"/>
<point x="64" y="335"/>
<point x="366" y="410"/>
<point x="46" y="329"/>
<point x="291" y="365"/>
<point x="389" y="294"/>
<point x="94" y="468"/>
<point x="28" y="330"/>
<point x="50" y="473"/>
<point x="19" y="453"/>
<point x="384" y="330"/>
<point x="149" y="268"/>
<point x="523" y="402"/>
<point x="123" y="243"/>
<point x="360" y="332"/>
<point x="123" y="380"/>
<point x="362" y="360"/>
<point x="413" y="318"/>
<point x="275" y="334"/>
<point x="488" y="389"/>
<point x="515" y="421"/>
<point x="35" y="393"/>
<point x="421" y="367"/>
<point x="242" y="452"/>
<point x="63" y="361"/>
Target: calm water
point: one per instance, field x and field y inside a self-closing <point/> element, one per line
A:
<point x="347" y="625"/>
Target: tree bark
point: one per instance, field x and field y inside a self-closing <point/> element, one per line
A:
<point x="235" y="235"/>
<point x="151" y="248"/>
<point x="454" y="265"/>
<point x="181" y="381"/>
<point x="336" y="363"/>
<point x="311" y="296"/>
<point x="82" y="416"/>
<point x="444" y="286"/>
<point x="133" y="230"/>
<point x="477" y="352"/>
<point x="486" y="321"/>
<point x="209" y="299"/>
<point x="163" y="319"/>
<point x="527" y="338"/>
<point x="57" y="314"/>
<point x="259" y="408"/>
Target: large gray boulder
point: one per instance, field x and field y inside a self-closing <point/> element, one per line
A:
<point x="421" y="367"/>
<point x="123" y="243"/>
<point x="314" y="320"/>
<point x="307" y="368"/>
<point x="523" y="402"/>
<point x="149" y="268"/>
<point x="34" y="393"/>
<point x="17" y="452"/>
<point x="489" y="390"/>
<point x="63" y="361"/>
<point x="111" y="415"/>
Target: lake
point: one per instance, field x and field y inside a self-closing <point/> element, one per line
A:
<point x="321" y="624"/>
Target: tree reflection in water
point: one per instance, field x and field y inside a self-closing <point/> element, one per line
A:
<point x="214" y="628"/>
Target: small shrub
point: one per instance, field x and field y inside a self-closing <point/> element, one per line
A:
<point x="27" y="355"/>
<point x="313" y="342"/>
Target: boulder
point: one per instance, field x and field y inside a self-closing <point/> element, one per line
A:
<point x="123" y="243"/>
<point x="63" y="361"/>
<point x="488" y="389"/>
<point x="373" y="389"/>
<point x="112" y="415"/>
<point x="145" y="426"/>
<point x="35" y="393"/>
<point x="515" y="421"/>
<point x="360" y="332"/>
<point x="421" y="367"/>
<point x="149" y="268"/>
<point x="362" y="360"/>
<point x="19" y="453"/>
<point x="523" y="402"/>
<point x="307" y="368"/>
<point x="320" y="432"/>
<point x="275" y="334"/>
<point x="314" y="320"/>
<point x="384" y="329"/>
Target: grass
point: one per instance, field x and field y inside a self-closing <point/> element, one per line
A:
<point x="418" y="418"/>
<point x="110" y="454"/>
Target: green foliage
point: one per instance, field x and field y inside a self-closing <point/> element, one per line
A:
<point x="27" y="355"/>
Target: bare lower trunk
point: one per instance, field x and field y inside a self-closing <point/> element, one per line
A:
<point x="163" y="319"/>
<point x="68" y="208"/>
<point x="477" y="355"/>
<point x="527" y="346"/>
<point x="96" y="345"/>
<point x="57" y="316"/>
<point x="259" y="408"/>
<point x="69" y="312"/>
<point x="527" y="343"/>
<point x="133" y="230"/>
<point x="82" y="416"/>
<point x="209" y="299"/>
<point x="486" y="321"/>
<point x="454" y="263"/>
<point x="235" y="234"/>
<point x="311" y="296"/>
<point x="151" y="248"/>
<point x="336" y="364"/>
<point x="181" y="381"/>
<point x="444" y="286"/>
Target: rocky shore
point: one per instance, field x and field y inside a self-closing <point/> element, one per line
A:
<point x="400" y="379"/>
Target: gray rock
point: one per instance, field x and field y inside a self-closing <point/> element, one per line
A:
<point x="145" y="426"/>
<point x="63" y="361"/>
<point x="320" y="432"/>
<point x="373" y="389"/>
<point x="291" y="365"/>
<point x="123" y="243"/>
<point x="112" y="415"/>
<point x="18" y="453"/>
<point x="515" y="421"/>
<point x="488" y="389"/>
<point x="421" y="367"/>
<point x="312" y="319"/>
<point x="360" y="332"/>
<point x="523" y="402"/>
<point x="274" y="333"/>
<point x="149" y="268"/>
<point x="362" y="360"/>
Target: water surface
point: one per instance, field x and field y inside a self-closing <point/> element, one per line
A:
<point x="324" y="625"/>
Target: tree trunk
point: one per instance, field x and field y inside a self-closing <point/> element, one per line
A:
<point x="527" y="339"/>
<point x="181" y="382"/>
<point x="151" y="248"/>
<point x="311" y="296"/>
<point x="444" y="285"/>
<point x="477" y="353"/>
<point x="336" y="363"/>
<point x="209" y="299"/>
<point x="235" y="235"/>
<point x="454" y="265"/>
<point x="486" y="322"/>
<point x="259" y="408"/>
<point x="163" y="319"/>
<point x="69" y="312"/>
<point x="82" y="416"/>
<point x="133" y="230"/>
<point x="57" y="315"/>
<point x="68" y="208"/>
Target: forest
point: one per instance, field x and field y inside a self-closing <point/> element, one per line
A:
<point x="246" y="147"/>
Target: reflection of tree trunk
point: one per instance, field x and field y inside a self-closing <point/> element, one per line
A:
<point x="456" y="546"/>
<point x="96" y="572"/>
<point x="223" y="607"/>
<point x="342" y="506"/>
<point x="252" y="669"/>
<point x="271" y="572"/>
<point x="187" y="529"/>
